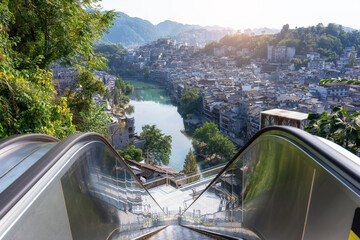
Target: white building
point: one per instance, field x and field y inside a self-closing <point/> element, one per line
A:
<point x="280" y="53"/>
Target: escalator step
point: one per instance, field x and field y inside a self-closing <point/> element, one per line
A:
<point x="175" y="232"/>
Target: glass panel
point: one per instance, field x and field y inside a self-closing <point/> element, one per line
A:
<point x="254" y="197"/>
<point x="104" y="200"/>
<point x="16" y="160"/>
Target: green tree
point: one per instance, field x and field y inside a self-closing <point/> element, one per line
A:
<point x="157" y="145"/>
<point x="28" y="105"/>
<point x="331" y="43"/>
<point x="82" y="105"/>
<point x="209" y="47"/>
<point x="107" y="94"/>
<point x="241" y="61"/>
<point x="190" y="166"/>
<point x="121" y="92"/>
<point x="133" y="153"/>
<point x="300" y="63"/>
<point x="328" y="54"/>
<point x="28" y="101"/>
<point x="337" y="126"/>
<point x="352" y="59"/>
<point x="208" y="141"/>
<point x="65" y="30"/>
<point x="146" y="73"/>
<point x="95" y="119"/>
<point x="34" y="34"/>
<point x="190" y="100"/>
<point x="111" y="53"/>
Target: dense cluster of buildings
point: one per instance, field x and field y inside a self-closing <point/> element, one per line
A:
<point x="232" y="96"/>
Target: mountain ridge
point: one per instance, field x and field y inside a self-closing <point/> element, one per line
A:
<point x="134" y="31"/>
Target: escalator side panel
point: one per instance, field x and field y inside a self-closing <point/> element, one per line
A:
<point x="277" y="184"/>
<point x="332" y="208"/>
<point x="275" y="189"/>
<point x="19" y="161"/>
<point x="45" y="217"/>
<point x="90" y="193"/>
<point x="81" y="197"/>
<point x="99" y="205"/>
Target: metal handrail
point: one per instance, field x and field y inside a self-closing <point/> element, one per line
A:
<point x="334" y="161"/>
<point x="11" y="195"/>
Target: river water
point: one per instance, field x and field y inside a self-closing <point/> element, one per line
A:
<point x="154" y="106"/>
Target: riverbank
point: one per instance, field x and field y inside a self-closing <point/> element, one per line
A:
<point x="154" y="105"/>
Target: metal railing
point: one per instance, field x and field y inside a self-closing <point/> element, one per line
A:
<point x="185" y="180"/>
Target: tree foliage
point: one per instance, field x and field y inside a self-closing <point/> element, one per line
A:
<point x="337" y="126"/>
<point x="48" y="31"/>
<point x="190" y="100"/>
<point x="34" y="34"/>
<point x="352" y="59"/>
<point x="299" y="63"/>
<point x="207" y="141"/>
<point x="157" y="145"/>
<point x="209" y="47"/>
<point x="28" y="101"/>
<point x="111" y="53"/>
<point x="190" y="166"/>
<point x="133" y="153"/>
<point x="241" y="61"/>
<point x="329" y="41"/>
<point x="121" y="92"/>
<point x="27" y="104"/>
<point x="95" y="119"/>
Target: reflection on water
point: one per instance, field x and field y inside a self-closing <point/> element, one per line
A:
<point x="153" y="106"/>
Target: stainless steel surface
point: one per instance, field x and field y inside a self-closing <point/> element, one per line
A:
<point x="279" y="187"/>
<point x="15" y="161"/>
<point x="276" y="190"/>
<point x="101" y="200"/>
<point x="45" y="218"/>
<point x="277" y="184"/>
<point x="332" y="208"/>
<point x="41" y="206"/>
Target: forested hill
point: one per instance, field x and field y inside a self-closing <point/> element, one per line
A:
<point x="131" y="31"/>
<point x="329" y="41"/>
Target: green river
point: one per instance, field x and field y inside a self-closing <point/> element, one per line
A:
<point x="153" y="106"/>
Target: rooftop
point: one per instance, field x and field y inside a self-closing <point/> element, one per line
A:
<point x="286" y="114"/>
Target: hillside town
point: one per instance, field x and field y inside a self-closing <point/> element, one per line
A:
<point x="234" y="96"/>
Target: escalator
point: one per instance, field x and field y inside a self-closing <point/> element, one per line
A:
<point x="283" y="184"/>
<point x="176" y="232"/>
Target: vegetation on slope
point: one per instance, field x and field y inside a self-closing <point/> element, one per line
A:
<point x="32" y="36"/>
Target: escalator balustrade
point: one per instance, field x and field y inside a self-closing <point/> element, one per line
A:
<point x="283" y="184"/>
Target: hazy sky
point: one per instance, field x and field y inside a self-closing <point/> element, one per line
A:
<point x="241" y="14"/>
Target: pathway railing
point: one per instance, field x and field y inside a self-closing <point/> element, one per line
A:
<point x="185" y="180"/>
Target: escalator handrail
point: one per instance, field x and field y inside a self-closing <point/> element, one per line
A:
<point x="335" y="162"/>
<point x="11" y="195"/>
<point x="26" y="137"/>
